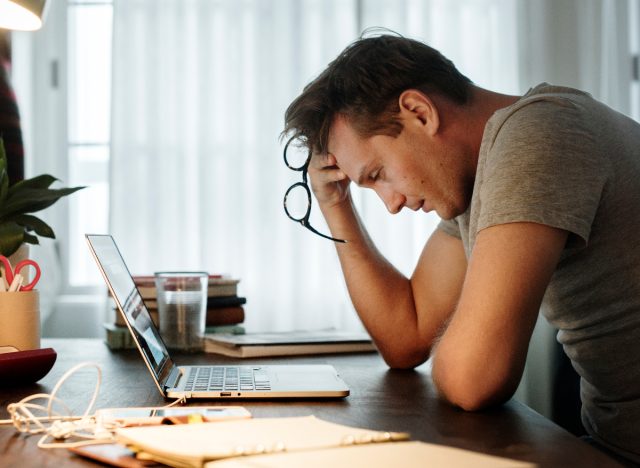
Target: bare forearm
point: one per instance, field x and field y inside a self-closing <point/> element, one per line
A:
<point x="402" y="315"/>
<point x="381" y="295"/>
<point x="481" y="356"/>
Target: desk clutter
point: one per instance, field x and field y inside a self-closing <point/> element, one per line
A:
<point x="304" y="441"/>
<point x="21" y="359"/>
<point x="225" y="310"/>
<point x="221" y="436"/>
<point x="24" y="367"/>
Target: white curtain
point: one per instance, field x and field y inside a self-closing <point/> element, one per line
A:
<point x="200" y="88"/>
<point x="199" y="92"/>
<point x="580" y="43"/>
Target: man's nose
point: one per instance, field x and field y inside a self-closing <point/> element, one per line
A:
<point x="392" y="200"/>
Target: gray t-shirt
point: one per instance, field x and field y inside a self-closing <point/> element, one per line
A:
<point x="558" y="157"/>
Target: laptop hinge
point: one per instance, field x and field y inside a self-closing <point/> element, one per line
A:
<point x="174" y="376"/>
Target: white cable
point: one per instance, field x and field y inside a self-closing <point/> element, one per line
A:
<point x="54" y="424"/>
<point x="68" y="374"/>
<point x="182" y="399"/>
<point x="63" y="427"/>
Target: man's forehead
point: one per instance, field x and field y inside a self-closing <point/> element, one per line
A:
<point x="354" y="154"/>
<point x="341" y="135"/>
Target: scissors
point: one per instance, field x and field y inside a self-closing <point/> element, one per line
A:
<point x="10" y="273"/>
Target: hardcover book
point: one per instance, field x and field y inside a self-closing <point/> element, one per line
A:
<point x="288" y="343"/>
<point x="224" y="316"/>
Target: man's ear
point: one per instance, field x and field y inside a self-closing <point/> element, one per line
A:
<point x="417" y="108"/>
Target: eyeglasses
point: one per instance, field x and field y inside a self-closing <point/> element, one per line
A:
<point x="297" y="199"/>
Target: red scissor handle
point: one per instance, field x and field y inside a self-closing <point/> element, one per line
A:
<point x="34" y="281"/>
<point x="10" y="273"/>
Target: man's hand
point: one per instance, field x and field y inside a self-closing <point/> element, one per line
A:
<point x="330" y="185"/>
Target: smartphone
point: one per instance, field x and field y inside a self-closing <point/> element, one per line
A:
<point x="140" y="416"/>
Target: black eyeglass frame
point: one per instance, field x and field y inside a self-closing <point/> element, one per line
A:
<point x="304" y="169"/>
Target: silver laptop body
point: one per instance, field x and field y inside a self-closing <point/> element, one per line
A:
<point x="225" y="381"/>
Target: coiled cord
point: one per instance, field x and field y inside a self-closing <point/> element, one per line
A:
<point x="84" y="430"/>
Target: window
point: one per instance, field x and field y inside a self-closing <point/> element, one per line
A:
<point x="88" y="99"/>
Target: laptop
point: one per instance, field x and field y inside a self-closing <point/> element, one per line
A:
<point x="212" y="382"/>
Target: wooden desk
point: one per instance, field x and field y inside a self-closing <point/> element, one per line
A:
<point x="380" y="399"/>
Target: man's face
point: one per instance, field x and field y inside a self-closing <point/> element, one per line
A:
<point x="413" y="170"/>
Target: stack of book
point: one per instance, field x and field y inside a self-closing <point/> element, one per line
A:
<point x="146" y="285"/>
<point x="288" y="343"/>
<point x="225" y="310"/>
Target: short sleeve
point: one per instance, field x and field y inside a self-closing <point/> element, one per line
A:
<point x="450" y="227"/>
<point x="544" y="167"/>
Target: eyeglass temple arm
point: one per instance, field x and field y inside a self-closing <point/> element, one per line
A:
<point x="308" y="226"/>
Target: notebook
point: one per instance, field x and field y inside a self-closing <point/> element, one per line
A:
<point x="303" y="441"/>
<point x="223" y="381"/>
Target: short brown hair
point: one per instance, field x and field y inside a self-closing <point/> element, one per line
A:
<point x="364" y="82"/>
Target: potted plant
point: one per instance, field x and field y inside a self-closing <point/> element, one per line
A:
<point x="18" y="201"/>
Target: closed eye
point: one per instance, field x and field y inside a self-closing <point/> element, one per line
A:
<point x="375" y="175"/>
<point x="367" y="177"/>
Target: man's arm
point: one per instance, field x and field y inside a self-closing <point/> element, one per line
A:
<point x="404" y="316"/>
<point x="480" y="357"/>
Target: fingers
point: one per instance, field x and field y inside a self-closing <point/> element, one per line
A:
<point x="326" y="170"/>
<point x="329" y="183"/>
<point x="322" y="161"/>
<point x="334" y="175"/>
<point x="331" y="160"/>
<point x="328" y="164"/>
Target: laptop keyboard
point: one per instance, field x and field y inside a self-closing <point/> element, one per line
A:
<point x="203" y="379"/>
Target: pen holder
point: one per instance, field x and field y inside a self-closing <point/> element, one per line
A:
<point x="20" y="320"/>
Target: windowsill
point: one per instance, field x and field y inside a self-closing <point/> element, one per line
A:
<point x="76" y="316"/>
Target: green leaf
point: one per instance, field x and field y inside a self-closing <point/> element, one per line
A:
<point x="31" y="239"/>
<point x="34" y="224"/>
<point x="3" y="155"/>
<point x="32" y="200"/>
<point x="11" y="237"/>
<point x="39" y="182"/>
<point x="4" y="185"/>
<point x="21" y="198"/>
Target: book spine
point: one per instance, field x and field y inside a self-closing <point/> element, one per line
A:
<point x="118" y="337"/>
<point x="214" y="302"/>
<point x="210" y="346"/>
<point x="225" y="316"/>
<point x="218" y="290"/>
<point x="218" y="286"/>
<point x="153" y="312"/>
<point x="228" y="329"/>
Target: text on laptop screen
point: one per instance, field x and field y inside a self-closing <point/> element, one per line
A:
<point x="129" y="299"/>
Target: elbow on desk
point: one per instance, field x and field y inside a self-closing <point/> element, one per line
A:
<point x="471" y="400"/>
<point x="470" y="392"/>
<point x="405" y="358"/>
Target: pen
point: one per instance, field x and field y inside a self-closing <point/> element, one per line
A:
<point x="16" y="283"/>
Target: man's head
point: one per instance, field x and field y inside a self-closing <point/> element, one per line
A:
<point x="363" y="85"/>
<point x="378" y="111"/>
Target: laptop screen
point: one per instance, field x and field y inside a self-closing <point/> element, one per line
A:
<point x="129" y="301"/>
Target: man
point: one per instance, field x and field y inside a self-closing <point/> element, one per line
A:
<point x="539" y="197"/>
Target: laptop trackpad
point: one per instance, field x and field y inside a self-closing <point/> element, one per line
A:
<point x="305" y="377"/>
